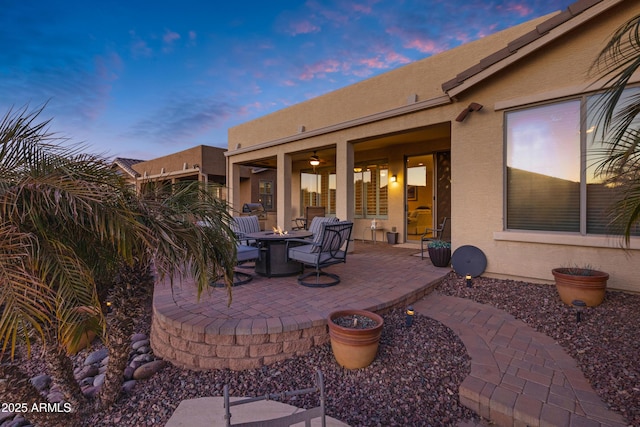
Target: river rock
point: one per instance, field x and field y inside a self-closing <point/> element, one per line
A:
<point x="127" y="386"/>
<point x="138" y="337"/>
<point x="87" y="371"/>
<point x="143" y="358"/>
<point x="55" y="397"/>
<point x="142" y="343"/>
<point x="98" y="380"/>
<point x="128" y="372"/>
<point x="148" y="369"/>
<point x="96" y="356"/>
<point x="41" y="381"/>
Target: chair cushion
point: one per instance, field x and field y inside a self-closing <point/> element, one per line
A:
<point x="316" y="225"/>
<point x="246" y="253"/>
<point x="245" y="224"/>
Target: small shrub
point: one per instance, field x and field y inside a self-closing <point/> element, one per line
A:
<point x="438" y="244"/>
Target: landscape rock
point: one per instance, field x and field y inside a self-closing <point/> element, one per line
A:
<point x="41" y="382"/>
<point x="128" y="386"/>
<point x="128" y="372"/>
<point x="138" y="337"/>
<point x="141" y="343"/>
<point x="148" y="369"/>
<point x="98" y="380"/>
<point x="96" y="356"/>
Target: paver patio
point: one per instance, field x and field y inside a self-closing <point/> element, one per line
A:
<point x="518" y="376"/>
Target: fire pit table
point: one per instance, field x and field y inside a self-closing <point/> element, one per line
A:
<point x="272" y="260"/>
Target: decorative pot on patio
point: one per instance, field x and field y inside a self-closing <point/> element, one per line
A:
<point x="582" y="284"/>
<point x="355" y="335"/>
<point x="439" y="252"/>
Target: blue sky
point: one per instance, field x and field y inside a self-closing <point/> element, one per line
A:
<point x="142" y="79"/>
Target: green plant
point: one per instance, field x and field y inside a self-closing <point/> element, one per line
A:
<point x="438" y="244"/>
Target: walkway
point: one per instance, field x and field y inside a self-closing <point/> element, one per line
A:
<point x="518" y="376"/>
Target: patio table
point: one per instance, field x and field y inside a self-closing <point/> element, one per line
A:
<point x="272" y="259"/>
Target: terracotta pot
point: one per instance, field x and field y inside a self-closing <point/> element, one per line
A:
<point x="354" y="348"/>
<point x="590" y="288"/>
<point x="440" y="257"/>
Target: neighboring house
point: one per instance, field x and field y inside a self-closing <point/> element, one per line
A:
<point x="489" y="134"/>
<point x="202" y="163"/>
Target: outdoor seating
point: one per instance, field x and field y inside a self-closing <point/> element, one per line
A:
<point x="328" y="247"/>
<point x="317" y="222"/>
<point x="288" y="420"/>
<point x="432" y="234"/>
<point x="310" y="213"/>
<point x="243" y="225"/>
<point x="245" y="253"/>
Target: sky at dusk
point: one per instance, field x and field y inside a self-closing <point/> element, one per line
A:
<point x="142" y="79"/>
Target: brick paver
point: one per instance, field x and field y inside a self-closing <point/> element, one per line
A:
<point x="519" y="377"/>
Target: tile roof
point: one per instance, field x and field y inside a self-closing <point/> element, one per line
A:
<point x="540" y="31"/>
<point x="126" y="164"/>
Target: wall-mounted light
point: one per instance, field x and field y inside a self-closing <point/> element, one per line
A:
<point x="357" y="169"/>
<point x="394" y="178"/>
<point x="474" y="106"/>
<point x="314" y="160"/>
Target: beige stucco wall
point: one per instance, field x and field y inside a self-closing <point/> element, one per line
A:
<point x="477" y="144"/>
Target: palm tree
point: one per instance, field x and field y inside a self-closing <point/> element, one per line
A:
<point x="71" y="232"/>
<point x="619" y="123"/>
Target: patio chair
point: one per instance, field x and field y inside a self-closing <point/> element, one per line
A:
<point x="310" y="213"/>
<point x="243" y="225"/>
<point x="328" y="247"/>
<point x="317" y="222"/>
<point x="245" y="253"/>
<point x="432" y="234"/>
<point x="288" y="420"/>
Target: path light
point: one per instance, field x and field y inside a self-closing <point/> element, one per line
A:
<point x="579" y="305"/>
<point x="468" y="279"/>
<point x="408" y="320"/>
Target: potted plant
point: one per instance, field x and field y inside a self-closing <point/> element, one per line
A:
<point x="580" y="283"/>
<point x="355" y="335"/>
<point x="392" y="236"/>
<point x="439" y="252"/>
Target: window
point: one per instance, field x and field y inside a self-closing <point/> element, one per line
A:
<point x="371" y="190"/>
<point x="265" y="196"/>
<point x="550" y="179"/>
<point x="318" y="189"/>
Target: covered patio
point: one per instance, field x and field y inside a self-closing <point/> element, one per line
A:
<point x="272" y="319"/>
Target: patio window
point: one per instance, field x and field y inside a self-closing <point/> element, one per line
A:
<point x="318" y="189"/>
<point x="265" y="196"/>
<point x="550" y="172"/>
<point x="371" y="190"/>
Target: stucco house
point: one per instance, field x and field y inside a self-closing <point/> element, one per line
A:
<point x="200" y="163"/>
<point x="495" y="134"/>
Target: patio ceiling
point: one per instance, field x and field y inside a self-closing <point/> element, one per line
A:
<point x="327" y="154"/>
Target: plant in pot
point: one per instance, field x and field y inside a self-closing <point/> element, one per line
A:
<point x="439" y="252"/>
<point x="580" y="283"/>
<point x="355" y="335"/>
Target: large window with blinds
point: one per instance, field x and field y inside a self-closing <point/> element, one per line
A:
<point x="318" y="188"/>
<point x="371" y="190"/>
<point x="551" y="180"/>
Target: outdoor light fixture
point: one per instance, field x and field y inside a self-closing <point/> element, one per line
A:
<point x="468" y="279"/>
<point x="357" y="169"/>
<point x="579" y="305"/>
<point x="315" y="160"/>
<point x="408" y="320"/>
<point x="474" y="106"/>
<point x="394" y="178"/>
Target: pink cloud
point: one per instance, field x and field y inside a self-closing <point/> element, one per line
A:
<point x="170" y="36"/>
<point x="425" y="46"/>
<point x="520" y="9"/>
<point x="303" y="27"/>
<point x="320" y="69"/>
